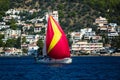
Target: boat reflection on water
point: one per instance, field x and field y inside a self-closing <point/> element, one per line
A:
<point x="56" y="65"/>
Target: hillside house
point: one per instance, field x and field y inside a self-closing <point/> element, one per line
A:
<point x="76" y="36"/>
<point x="101" y="21"/>
<point x="12" y="51"/>
<point x="112" y="34"/>
<point x="12" y="11"/>
<point x="3" y="26"/>
<point x="54" y="14"/>
<point x="32" y="38"/>
<point x="32" y="49"/>
<point x="38" y="27"/>
<point x="9" y="33"/>
<point x="118" y="29"/>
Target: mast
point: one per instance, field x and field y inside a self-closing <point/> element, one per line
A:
<point x="44" y="53"/>
<point x="21" y="41"/>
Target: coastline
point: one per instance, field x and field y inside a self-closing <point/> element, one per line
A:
<point x="107" y="54"/>
<point x="15" y="56"/>
<point x="72" y="55"/>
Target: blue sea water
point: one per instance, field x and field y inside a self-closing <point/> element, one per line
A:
<point x="82" y="68"/>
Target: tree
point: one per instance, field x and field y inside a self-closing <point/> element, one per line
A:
<point x="1" y="36"/>
<point x="90" y="40"/>
<point x="23" y="40"/>
<point x="42" y="31"/>
<point x="13" y="26"/>
<point x="60" y="6"/>
<point x="61" y="14"/>
<point x="1" y="43"/>
<point x="105" y="38"/>
<point x="115" y="42"/>
<point x="18" y="43"/>
<point x="83" y="37"/>
<point x="1" y="18"/>
<point x="12" y="21"/>
<point x="24" y="50"/>
<point x="69" y="40"/>
<point x="40" y="45"/>
<point x="31" y="30"/>
<point x="4" y="5"/>
<point x="10" y="43"/>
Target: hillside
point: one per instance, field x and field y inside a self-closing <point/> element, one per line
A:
<point x="73" y="14"/>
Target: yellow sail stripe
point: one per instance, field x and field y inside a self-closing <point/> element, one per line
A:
<point x="56" y="37"/>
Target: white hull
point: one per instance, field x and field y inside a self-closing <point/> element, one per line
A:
<point x="64" y="61"/>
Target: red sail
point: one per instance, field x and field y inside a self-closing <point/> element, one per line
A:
<point x="56" y="41"/>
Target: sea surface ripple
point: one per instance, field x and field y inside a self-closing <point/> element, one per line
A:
<point x="82" y="68"/>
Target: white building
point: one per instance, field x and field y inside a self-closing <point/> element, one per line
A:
<point x="12" y="11"/>
<point x="54" y="14"/>
<point x="32" y="38"/>
<point x="112" y="34"/>
<point x="9" y="33"/>
<point x="15" y="17"/>
<point x="89" y="35"/>
<point x="3" y="26"/>
<point x="113" y="24"/>
<point x="32" y="49"/>
<point x="38" y="27"/>
<point x="85" y="46"/>
<point x="85" y="34"/>
<point x="12" y="51"/>
<point x="101" y="21"/>
<point x="118" y="29"/>
<point x="76" y="36"/>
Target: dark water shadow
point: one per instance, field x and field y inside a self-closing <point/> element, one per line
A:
<point x="57" y="65"/>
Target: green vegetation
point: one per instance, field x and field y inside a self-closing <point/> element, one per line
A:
<point x="12" y="24"/>
<point x="23" y="40"/>
<point x="4" y="6"/>
<point x="1" y="42"/>
<point x="115" y="42"/>
<point x="40" y="45"/>
<point x="73" y="14"/>
<point x="106" y="8"/>
<point x="10" y="43"/>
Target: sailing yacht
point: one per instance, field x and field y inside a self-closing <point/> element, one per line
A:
<point x="56" y="46"/>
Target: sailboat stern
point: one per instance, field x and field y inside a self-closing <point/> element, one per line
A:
<point x="59" y="61"/>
